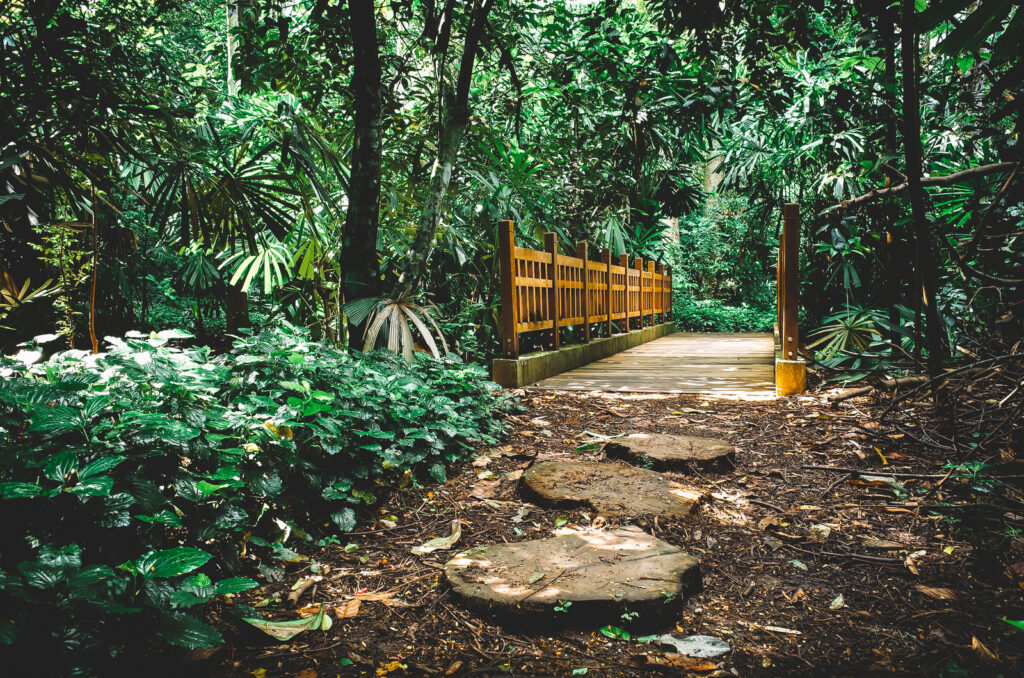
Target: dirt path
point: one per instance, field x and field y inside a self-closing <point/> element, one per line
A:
<point x="892" y="589"/>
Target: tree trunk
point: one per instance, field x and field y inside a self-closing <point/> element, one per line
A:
<point x="454" y="117"/>
<point x="237" y="311"/>
<point x="912" y="150"/>
<point x="360" y="267"/>
<point x="894" y="281"/>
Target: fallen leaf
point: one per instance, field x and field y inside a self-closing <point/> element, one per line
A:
<point x="985" y="654"/>
<point x="308" y="610"/>
<point x="681" y="661"/>
<point x="287" y="630"/>
<point x="482" y="461"/>
<point x="837" y="603"/>
<point x="348" y="609"/>
<point x="876" y="543"/>
<point x="456" y="665"/>
<point x="485" y="489"/>
<point x="439" y="543"/>
<point x="936" y="592"/>
<point x="306" y="673"/>
<point x="701" y="647"/>
<point x="797" y="564"/>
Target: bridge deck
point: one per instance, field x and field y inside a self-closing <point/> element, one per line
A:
<point x="716" y="364"/>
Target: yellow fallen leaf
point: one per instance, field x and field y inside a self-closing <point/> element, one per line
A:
<point x="949" y="550"/>
<point x="385" y="669"/>
<point x="936" y="592"/>
<point x="348" y="609"/>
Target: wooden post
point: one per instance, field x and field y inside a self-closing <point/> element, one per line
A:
<point x="507" y="270"/>
<point x="624" y="263"/>
<point x="790" y="371"/>
<point x="659" y="270"/>
<point x="551" y="246"/>
<point x="639" y="263"/>
<point x="606" y="258"/>
<point x="668" y="276"/>
<point x="581" y="252"/>
<point x="790" y="289"/>
<point x="650" y="270"/>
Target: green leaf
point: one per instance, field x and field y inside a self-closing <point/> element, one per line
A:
<point x="100" y="465"/>
<point x="97" y="486"/>
<point x="171" y="562"/>
<point x="209" y="488"/>
<point x="345" y="519"/>
<point x="186" y="631"/>
<point x="1015" y="623"/>
<point x="21" y="490"/>
<point x="60" y="466"/>
<point x="287" y="630"/>
<point x="234" y="585"/>
<point x="615" y="632"/>
<point x="437" y="472"/>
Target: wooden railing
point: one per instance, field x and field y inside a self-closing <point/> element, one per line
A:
<point x="546" y="290"/>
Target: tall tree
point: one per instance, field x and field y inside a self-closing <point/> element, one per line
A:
<point x="454" y="120"/>
<point x="925" y="259"/>
<point x="360" y="266"/>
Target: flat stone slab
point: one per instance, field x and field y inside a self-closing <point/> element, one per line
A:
<point x="671" y="451"/>
<point x="598" y="571"/>
<point x="611" y="489"/>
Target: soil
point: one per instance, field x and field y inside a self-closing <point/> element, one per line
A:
<point x="806" y="572"/>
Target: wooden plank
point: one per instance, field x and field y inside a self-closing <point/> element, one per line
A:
<point x="725" y="364"/>
<point x="526" y="254"/>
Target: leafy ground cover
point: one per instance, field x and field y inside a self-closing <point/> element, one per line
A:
<point x="904" y="582"/>
<point x="148" y="479"/>
<point x="711" y="315"/>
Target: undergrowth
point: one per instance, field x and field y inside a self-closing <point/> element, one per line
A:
<point x="711" y="315"/>
<point x="146" y="479"/>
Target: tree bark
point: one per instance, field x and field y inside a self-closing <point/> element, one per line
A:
<point x="454" y="118"/>
<point x="360" y="266"/>
<point x="914" y="168"/>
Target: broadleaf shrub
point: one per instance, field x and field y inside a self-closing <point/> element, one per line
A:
<point x="710" y="315"/>
<point x="137" y="473"/>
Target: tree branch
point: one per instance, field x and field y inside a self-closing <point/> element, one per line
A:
<point x="947" y="180"/>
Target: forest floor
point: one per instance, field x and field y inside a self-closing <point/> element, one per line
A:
<point x="898" y="587"/>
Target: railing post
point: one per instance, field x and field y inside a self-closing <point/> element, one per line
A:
<point x="668" y="296"/>
<point x="639" y="263"/>
<point x="650" y="271"/>
<point x="581" y="252"/>
<point x="790" y="278"/>
<point x="551" y="246"/>
<point x="507" y="271"/>
<point x="659" y="270"/>
<point x="790" y="370"/>
<point x="606" y="259"/>
<point x="624" y="263"/>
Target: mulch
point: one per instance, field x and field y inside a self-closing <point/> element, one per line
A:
<point x="911" y="579"/>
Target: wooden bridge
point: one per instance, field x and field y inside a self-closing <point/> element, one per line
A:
<point x="592" y="321"/>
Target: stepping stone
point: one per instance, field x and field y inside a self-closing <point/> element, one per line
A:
<point x="601" y="572"/>
<point x="611" y="489"/>
<point x="671" y="451"/>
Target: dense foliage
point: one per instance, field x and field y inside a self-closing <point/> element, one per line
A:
<point x="340" y="167"/>
<point x="108" y="459"/>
